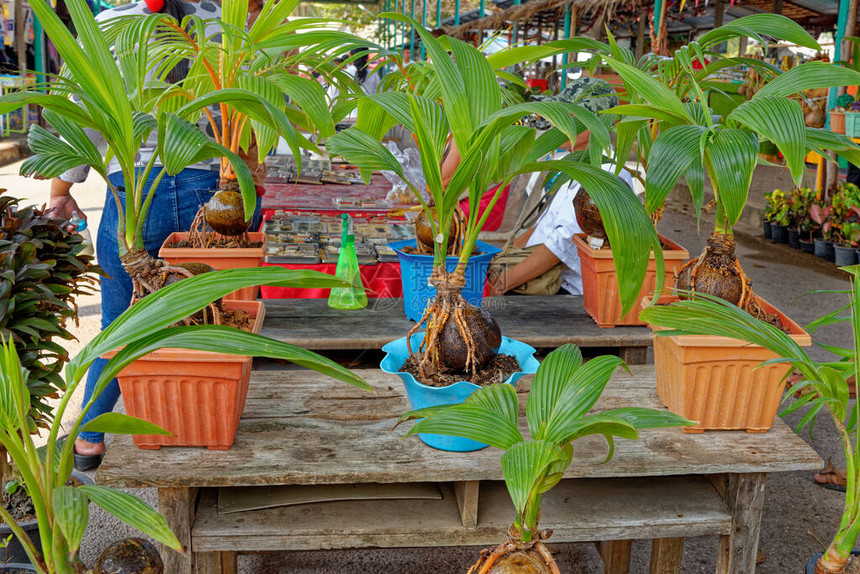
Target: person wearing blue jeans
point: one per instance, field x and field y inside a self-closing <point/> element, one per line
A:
<point x="176" y="202"/>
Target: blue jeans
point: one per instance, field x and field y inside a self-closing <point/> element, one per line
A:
<point x="176" y="202"/>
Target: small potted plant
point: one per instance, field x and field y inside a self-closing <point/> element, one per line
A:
<point x="823" y="222"/>
<point x="801" y="199"/>
<point x="563" y="392"/>
<point x="845" y="213"/>
<point x="767" y="215"/>
<point x="781" y="215"/>
<point x="825" y="384"/>
<point x="844" y="103"/>
<point x="463" y="342"/>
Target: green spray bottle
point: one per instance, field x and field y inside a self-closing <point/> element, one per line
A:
<point x="353" y="297"/>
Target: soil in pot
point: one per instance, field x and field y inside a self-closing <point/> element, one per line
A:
<point x="780" y="233"/>
<point x="807" y="246"/>
<point x="844" y="255"/>
<point x="794" y="238"/>
<point x="497" y="370"/>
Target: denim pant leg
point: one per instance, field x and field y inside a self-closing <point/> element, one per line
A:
<point x="173" y="209"/>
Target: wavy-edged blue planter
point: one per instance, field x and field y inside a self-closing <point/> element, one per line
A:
<point x="422" y="396"/>
<point x="415" y="270"/>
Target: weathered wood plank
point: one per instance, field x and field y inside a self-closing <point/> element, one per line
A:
<point x="666" y="555"/>
<point x="302" y="428"/>
<point x="634" y="355"/>
<point x="216" y="562"/>
<point x="744" y="498"/>
<point x="542" y="322"/>
<point x="576" y="511"/>
<point x="615" y="555"/>
<point x="467" y="500"/>
<point x="178" y="505"/>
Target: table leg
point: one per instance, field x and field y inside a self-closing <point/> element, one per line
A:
<point x="216" y="562"/>
<point x="634" y="355"/>
<point x="616" y="555"/>
<point x="666" y="555"/>
<point x="178" y="507"/>
<point x="744" y="498"/>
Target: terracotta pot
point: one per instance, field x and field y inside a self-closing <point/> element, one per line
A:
<point x="837" y="122"/>
<point x="196" y="395"/>
<point x="219" y="259"/>
<point x="600" y="282"/>
<point x="715" y="380"/>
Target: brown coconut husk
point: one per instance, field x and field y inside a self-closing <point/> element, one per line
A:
<point x="717" y="272"/>
<point x="517" y="557"/>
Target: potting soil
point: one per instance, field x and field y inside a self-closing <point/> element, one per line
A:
<point x="238" y="318"/>
<point x="496" y="371"/>
<point x="18" y="504"/>
<point x="222" y="242"/>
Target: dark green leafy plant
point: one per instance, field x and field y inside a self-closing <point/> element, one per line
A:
<point x="42" y="271"/>
<point x="563" y="392"/>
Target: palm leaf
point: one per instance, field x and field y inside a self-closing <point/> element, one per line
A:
<point x="133" y="512"/>
<point x="553" y="376"/>
<point x="672" y="154"/>
<point x="781" y="121"/>
<point x="733" y="155"/>
<point x="524" y="464"/>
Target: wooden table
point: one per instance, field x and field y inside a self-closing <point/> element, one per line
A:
<point x="542" y="322"/>
<point x="301" y="429"/>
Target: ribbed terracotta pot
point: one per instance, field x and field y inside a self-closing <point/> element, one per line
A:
<point x="219" y="258"/>
<point x="837" y="122"/>
<point x="714" y="380"/>
<point x="198" y="396"/>
<point x="600" y="281"/>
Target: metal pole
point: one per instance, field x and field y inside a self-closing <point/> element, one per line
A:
<point x="658" y="10"/>
<point x="566" y="57"/>
<point x="457" y="13"/>
<point x="438" y="13"/>
<point x="515" y="29"/>
<point x="412" y="39"/>
<point x="423" y="25"/>
<point x="39" y="48"/>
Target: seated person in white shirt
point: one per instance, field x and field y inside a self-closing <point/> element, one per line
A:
<point x="553" y="234"/>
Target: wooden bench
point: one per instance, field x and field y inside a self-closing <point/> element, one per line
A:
<point x="542" y="322"/>
<point x="304" y="430"/>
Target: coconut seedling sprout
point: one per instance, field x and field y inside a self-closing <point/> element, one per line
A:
<point x="563" y="391"/>
<point x="460" y="99"/>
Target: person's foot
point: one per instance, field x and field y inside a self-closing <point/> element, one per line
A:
<point x="88" y="455"/>
<point x="87" y="448"/>
<point x="831" y="477"/>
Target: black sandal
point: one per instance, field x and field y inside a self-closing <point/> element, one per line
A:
<point x="84" y="462"/>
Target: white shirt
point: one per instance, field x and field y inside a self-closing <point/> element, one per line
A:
<point x="557" y="225"/>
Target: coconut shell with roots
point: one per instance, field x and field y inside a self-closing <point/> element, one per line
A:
<point x="528" y="562"/>
<point x="424" y="231"/>
<point x="486" y="338"/>
<point x="588" y="215"/>
<point x="129" y="556"/>
<point x="717" y="272"/>
<point x="225" y="213"/>
<point x="514" y="556"/>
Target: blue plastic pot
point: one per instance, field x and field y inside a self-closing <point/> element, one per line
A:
<point x="422" y="396"/>
<point x="415" y="270"/>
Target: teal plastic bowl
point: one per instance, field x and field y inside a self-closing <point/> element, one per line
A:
<point x="422" y="396"/>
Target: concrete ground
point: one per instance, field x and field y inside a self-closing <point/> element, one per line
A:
<point x="797" y="512"/>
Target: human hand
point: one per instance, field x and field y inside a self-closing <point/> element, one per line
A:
<point x="64" y="207"/>
<point x="496" y="285"/>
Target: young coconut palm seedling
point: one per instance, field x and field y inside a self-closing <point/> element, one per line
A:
<point x="62" y="509"/>
<point x="563" y="392"/>
<point x="825" y="385"/>
<point x="461" y="97"/>
<point x="691" y="141"/>
<point x="270" y="57"/>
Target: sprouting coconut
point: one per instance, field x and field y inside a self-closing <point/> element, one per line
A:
<point x="225" y="214"/>
<point x="425" y="238"/>
<point x="129" y="556"/>
<point x="566" y="388"/>
<point x="588" y="215"/>
<point x="717" y="272"/>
